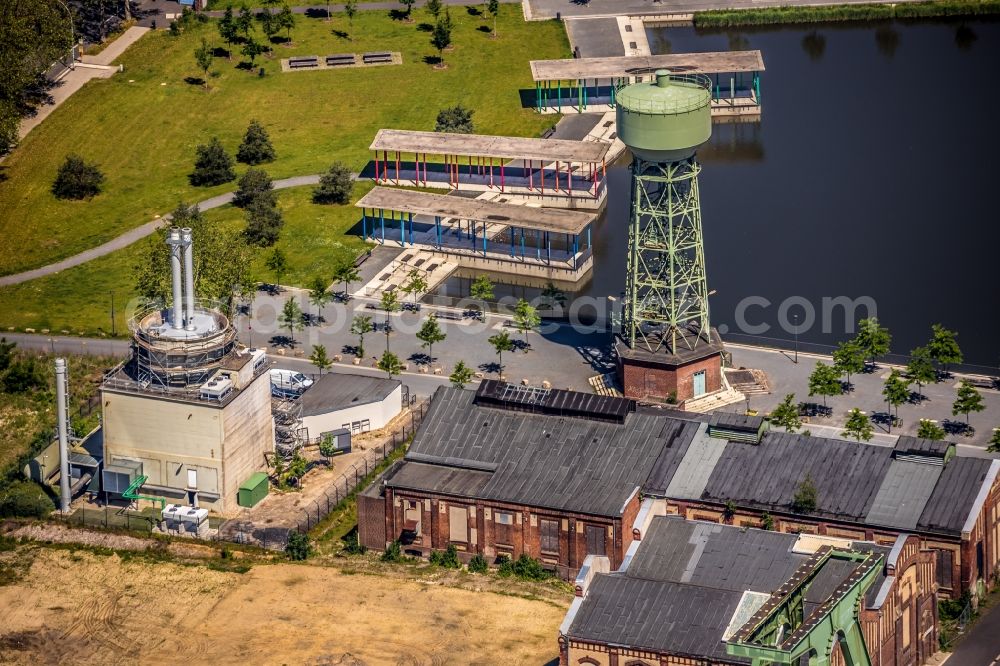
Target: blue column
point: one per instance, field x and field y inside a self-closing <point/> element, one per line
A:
<point x="437" y="228"/>
<point x="484" y="239"/>
<point x="364" y="223"/>
<point x="402" y="230"/>
<point x="538" y="244"/>
<point x="548" y="248"/>
<point x="472" y="226"/>
<point x="522" y="243"/>
<point x="588" y="236"/>
<point x="411" y="228"/>
<point x="512" y="230"/>
<point x="381" y="217"/>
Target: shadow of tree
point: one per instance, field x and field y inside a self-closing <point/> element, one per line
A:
<point x="425" y="27"/>
<point x="194" y="80"/>
<point x="432" y="60"/>
<point x="420" y="358"/>
<point x="491" y="367"/>
<point x="342" y="34"/>
<point x="958" y="428"/>
<point x="282" y="341"/>
<point x="473" y="10"/>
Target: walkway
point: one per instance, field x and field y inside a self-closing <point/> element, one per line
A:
<point x="138" y="233"/>
<point x="319" y="11"/>
<point x="543" y="10"/>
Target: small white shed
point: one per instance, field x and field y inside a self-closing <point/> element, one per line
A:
<point x="358" y="403"/>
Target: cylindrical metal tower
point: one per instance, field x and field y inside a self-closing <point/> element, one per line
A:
<point x="63" y="425"/>
<point x="663" y="122"/>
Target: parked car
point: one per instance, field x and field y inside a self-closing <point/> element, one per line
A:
<point x="288" y="383"/>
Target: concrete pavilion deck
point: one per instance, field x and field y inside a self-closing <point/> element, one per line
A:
<point x="551" y="172"/>
<point x="481" y="233"/>
<point x="590" y="84"/>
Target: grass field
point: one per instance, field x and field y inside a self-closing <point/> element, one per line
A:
<point x="142" y="126"/>
<point x="78" y="300"/>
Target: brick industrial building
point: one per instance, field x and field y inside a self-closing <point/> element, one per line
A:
<point x="559" y="475"/>
<point x="702" y="593"/>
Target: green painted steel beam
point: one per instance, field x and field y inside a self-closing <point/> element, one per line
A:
<point x="131" y="493"/>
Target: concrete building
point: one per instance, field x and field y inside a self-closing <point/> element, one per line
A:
<point x="357" y="403"/>
<point x="701" y="593"/>
<point x="188" y="417"/>
<point x="511" y="470"/>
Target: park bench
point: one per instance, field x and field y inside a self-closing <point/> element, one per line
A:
<point x="449" y="315"/>
<point x="375" y="57"/>
<point x="303" y="61"/>
<point x="362" y="259"/>
<point x="341" y="59"/>
<point x="980" y="383"/>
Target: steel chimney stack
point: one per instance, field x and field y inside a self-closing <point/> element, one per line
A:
<point x="175" y="242"/>
<point x="63" y="435"/>
<point x="188" y="276"/>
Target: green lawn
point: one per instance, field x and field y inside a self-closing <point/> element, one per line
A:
<point x="142" y="127"/>
<point x="78" y="300"/>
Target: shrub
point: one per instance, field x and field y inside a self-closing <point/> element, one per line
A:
<point x="24" y="499"/>
<point x="334" y="186"/>
<point x="352" y="545"/>
<point x="24" y="375"/>
<point x="393" y="552"/>
<point x="264" y="222"/>
<point x="256" y="147"/>
<point x="447" y="559"/>
<point x="456" y="119"/>
<point x="298" y="547"/>
<point x="77" y="179"/>
<point x="478" y="564"/>
<point x="254" y="185"/>
<point x="212" y="165"/>
<point x="805" y="496"/>
<point x="525" y="567"/>
<point x="504" y="566"/>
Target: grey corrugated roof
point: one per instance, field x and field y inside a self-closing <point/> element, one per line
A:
<point x="694" y="470"/>
<point x="907" y="444"/>
<point x="338" y="391"/>
<point x="446" y="480"/>
<point x="847" y="475"/>
<point x="949" y="504"/>
<point x="903" y="494"/>
<point x="678" y="440"/>
<point x="672" y="617"/>
<point x="554" y="462"/>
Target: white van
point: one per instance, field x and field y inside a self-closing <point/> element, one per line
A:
<point x="288" y="383"/>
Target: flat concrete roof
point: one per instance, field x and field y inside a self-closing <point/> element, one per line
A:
<point x="716" y="62"/>
<point x="481" y="145"/>
<point x="424" y="203"/>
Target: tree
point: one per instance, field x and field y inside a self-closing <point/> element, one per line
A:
<point x="319" y="358"/>
<point x="872" y="338"/>
<point x="501" y="343"/>
<point x="360" y="326"/>
<point x="318" y="295"/>
<point x="994" y="443"/>
<point x="943" y="347"/>
<point x="786" y="414"/>
<point x="269" y="25"/>
<point x="848" y="359"/>
<point x="552" y="298"/>
<point x="251" y="49"/>
<point x="77" y="179"/>
<point x="415" y="284"/>
<point x="291" y="317"/>
<point x="212" y="165"/>
<point x="327" y="448"/>
<point x="277" y="263"/>
<point x="229" y="31"/>
<point x="806" y="496"/>
<point x="350" y="9"/>
<point x="434" y="7"/>
<point x="286" y="20"/>
<point x="390" y="304"/>
<point x="930" y="430"/>
<point x="409" y="6"/>
<point x="526" y="318"/>
<point x="347" y="273"/>
<point x="390" y="364"/>
<point x="896" y="391"/>
<point x="858" y="426"/>
<point x="254" y="186"/>
<point x="482" y="290"/>
<point x="298" y="547"/>
<point x="334" y="186"/>
<point x="222" y="259"/>
<point x="920" y="369"/>
<point x="203" y="57"/>
<point x="441" y="38"/>
<point x="461" y="375"/>
<point x="967" y="400"/>
<point x="493" y="7"/>
<point x="430" y="333"/>
<point x="824" y="381"/>
<point x="455" y="119"/>
<point x="256" y="147"/>
<point x="244" y="22"/>
<point x="264" y="222"/>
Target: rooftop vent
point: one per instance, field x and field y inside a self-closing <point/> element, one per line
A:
<point x="553" y="402"/>
<point x="928" y="451"/>
<point x="737" y="427"/>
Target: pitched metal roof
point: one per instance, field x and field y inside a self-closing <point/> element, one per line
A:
<point x="903" y="494"/>
<point x="445" y="480"/>
<point x="954" y="494"/>
<point x="721" y="62"/>
<point x="553" y="462"/>
<point x="694" y="470"/>
<point x="480" y="145"/>
<point x="338" y="391"/>
<point x="556" y="402"/>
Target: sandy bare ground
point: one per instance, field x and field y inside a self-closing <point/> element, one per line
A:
<point x="73" y="607"/>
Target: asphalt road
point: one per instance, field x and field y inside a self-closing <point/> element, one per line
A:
<point x="981" y="647"/>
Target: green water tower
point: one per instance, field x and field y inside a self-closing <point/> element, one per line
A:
<point x="665" y="323"/>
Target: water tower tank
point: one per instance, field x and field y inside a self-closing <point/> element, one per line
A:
<point x="666" y="119"/>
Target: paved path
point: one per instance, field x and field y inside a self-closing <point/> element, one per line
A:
<point x="319" y="10"/>
<point x="981" y="647"/>
<point x="138" y="233"/>
<point x="541" y="10"/>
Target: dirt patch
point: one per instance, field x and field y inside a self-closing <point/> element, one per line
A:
<point x="125" y="612"/>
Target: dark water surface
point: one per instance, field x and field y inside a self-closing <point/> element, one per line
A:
<point x="873" y="173"/>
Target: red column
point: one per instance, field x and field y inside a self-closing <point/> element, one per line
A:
<point x="397" y="168"/>
<point x="531" y="176"/>
<point x="501" y="177"/>
<point x="491" y="173"/>
<point x="376" y="167"/>
<point x="557" y="176"/>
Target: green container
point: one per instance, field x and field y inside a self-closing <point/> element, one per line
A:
<point x="666" y="119"/>
<point x="253" y="490"/>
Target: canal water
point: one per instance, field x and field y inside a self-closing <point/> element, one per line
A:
<point x="873" y="175"/>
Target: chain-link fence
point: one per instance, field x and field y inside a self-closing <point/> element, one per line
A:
<point x="111" y="517"/>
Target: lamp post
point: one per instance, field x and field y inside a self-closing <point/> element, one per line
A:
<point x="72" y="35"/>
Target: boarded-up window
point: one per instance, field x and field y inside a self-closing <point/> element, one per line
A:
<point x="504" y="528"/>
<point x="595" y="540"/>
<point x="944" y="569"/>
<point x="550" y="536"/>
<point x="458" y="524"/>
